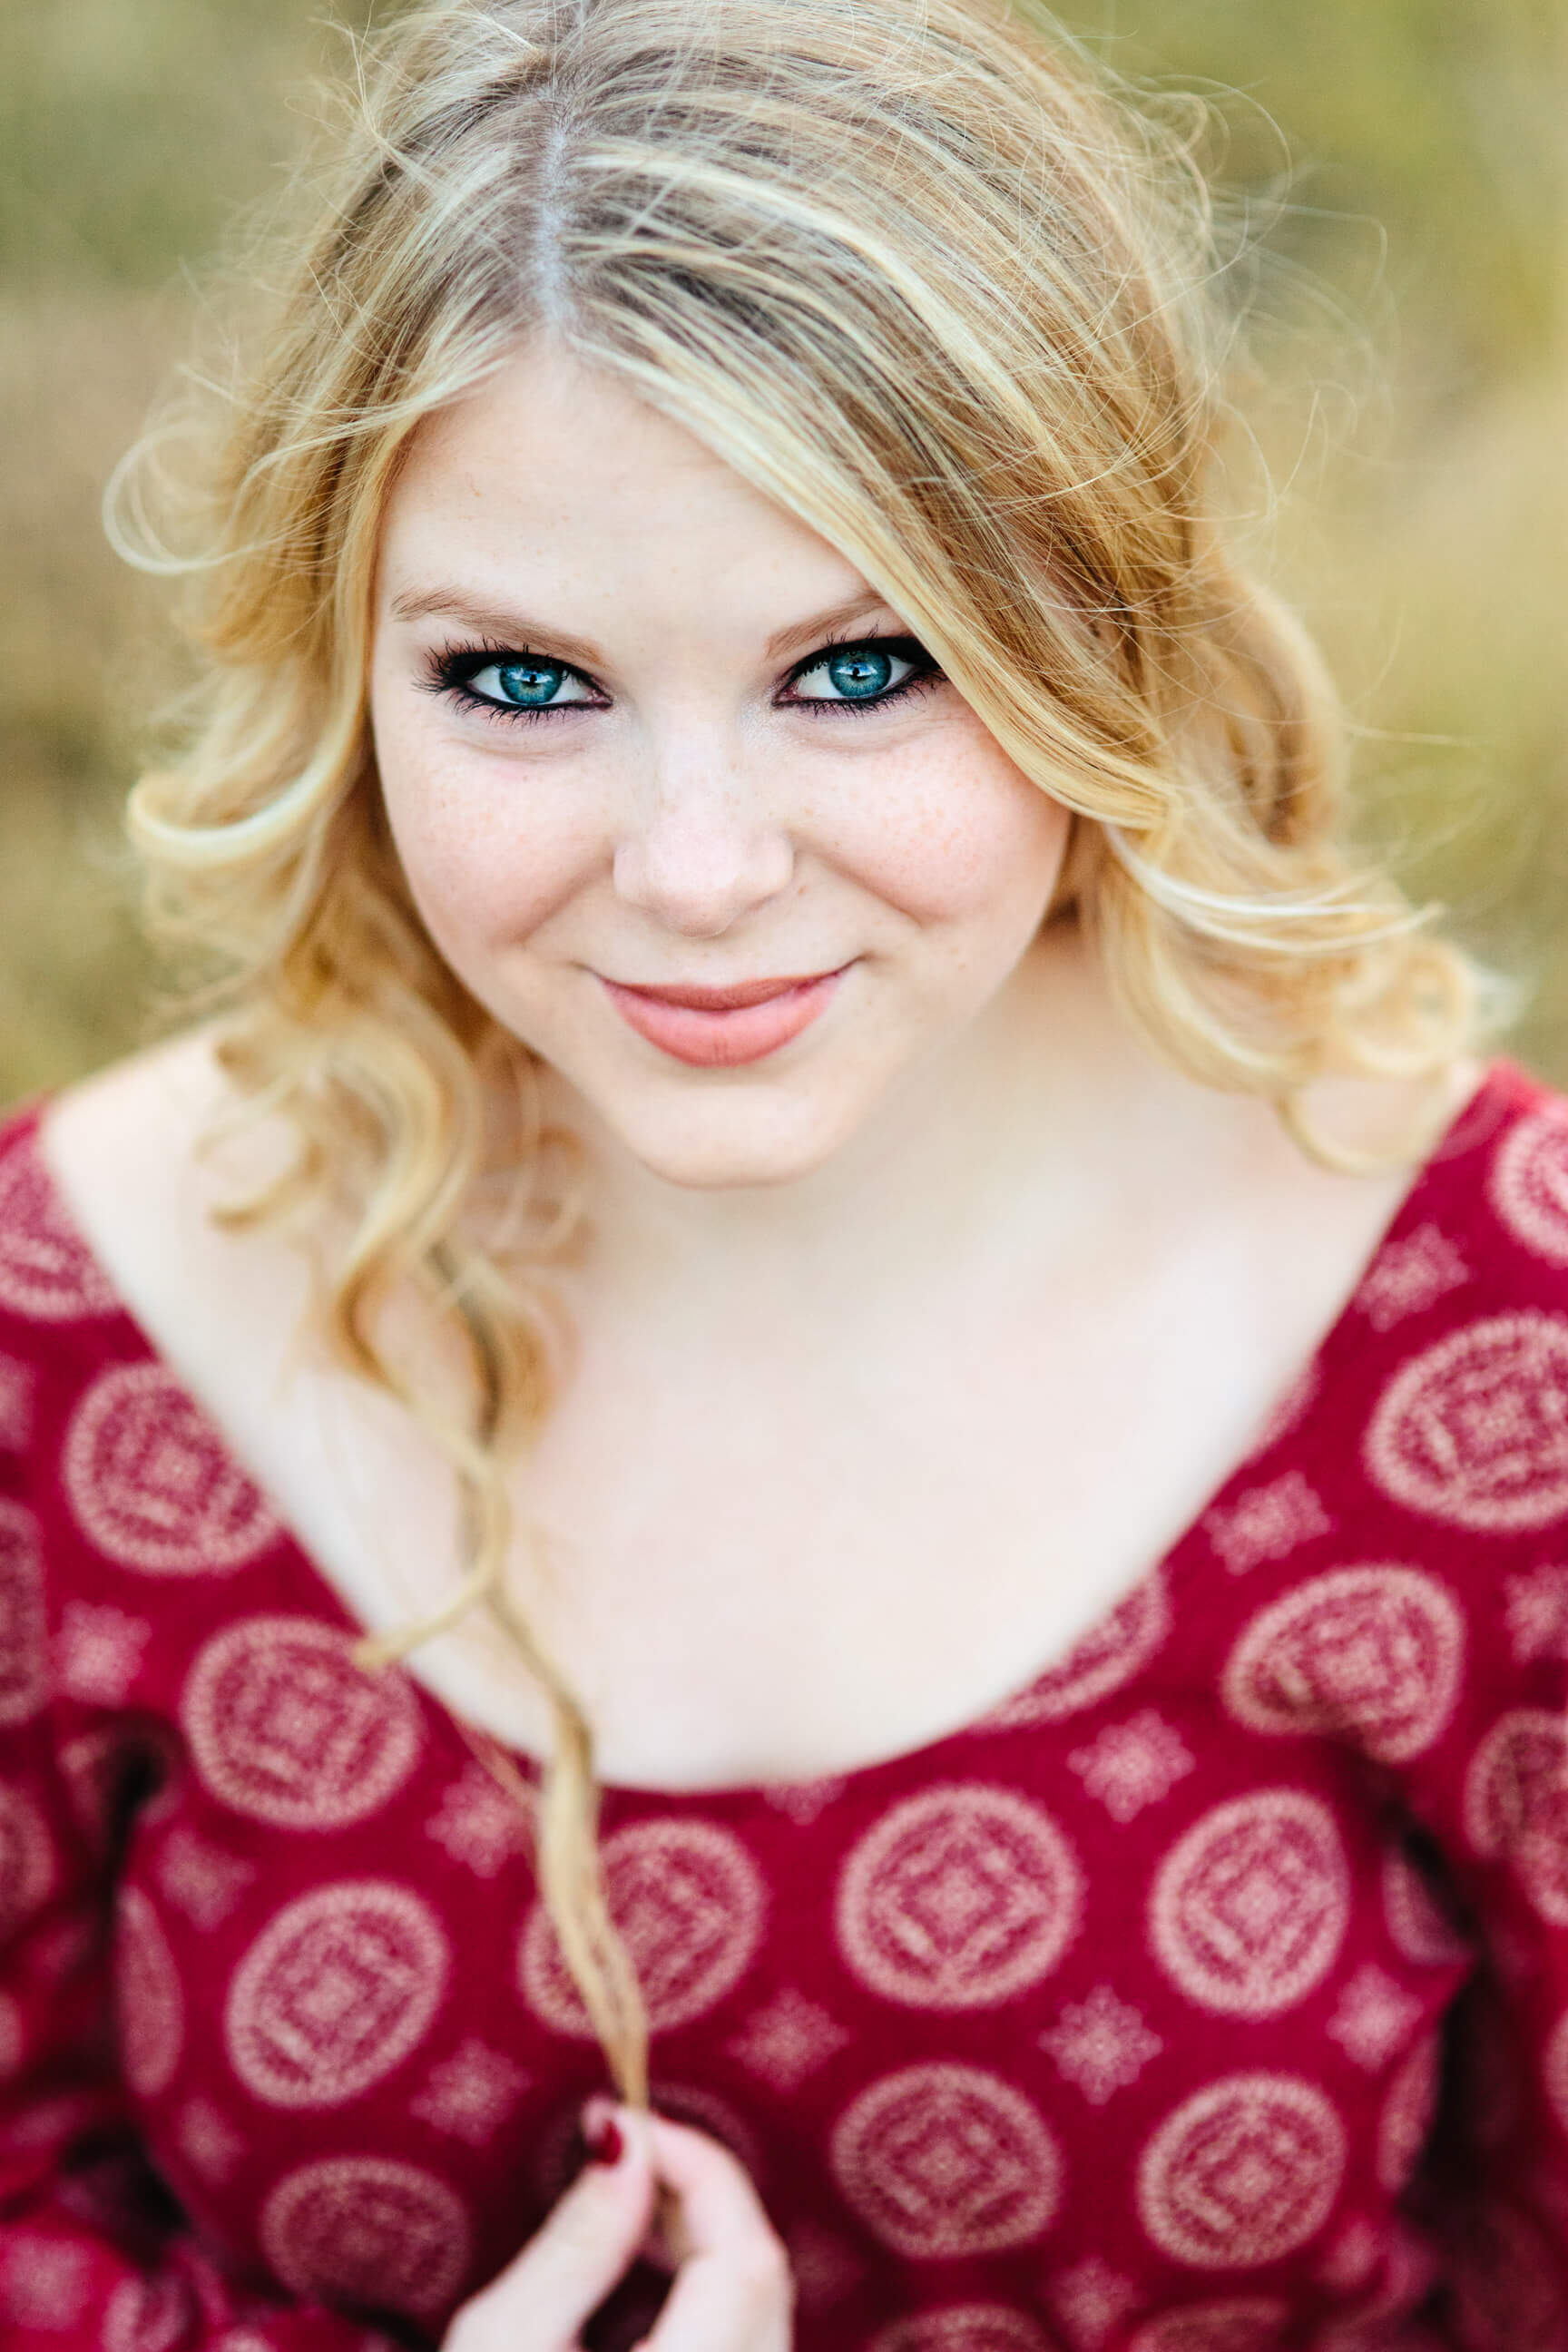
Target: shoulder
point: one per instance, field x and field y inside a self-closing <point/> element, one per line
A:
<point x="107" y="1194"/>
<point x="1496" y="1187"/>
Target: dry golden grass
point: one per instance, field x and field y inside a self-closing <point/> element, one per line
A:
<point x="1428" y="548"/>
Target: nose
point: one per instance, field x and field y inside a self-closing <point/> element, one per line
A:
<point x="702" y="855"/>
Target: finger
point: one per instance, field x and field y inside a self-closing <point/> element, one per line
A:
<point x="733" y="2291"/>
<point x="587" y="2244"/>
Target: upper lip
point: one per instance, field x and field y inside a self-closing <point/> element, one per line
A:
<point x="722" y="999"/>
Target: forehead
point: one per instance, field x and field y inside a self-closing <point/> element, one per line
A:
<point x="553" y="476"/>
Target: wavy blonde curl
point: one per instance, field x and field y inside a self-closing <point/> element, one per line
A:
<point x="925" y="275"/>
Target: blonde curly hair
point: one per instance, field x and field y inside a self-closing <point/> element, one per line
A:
<point x="926" y="275"/>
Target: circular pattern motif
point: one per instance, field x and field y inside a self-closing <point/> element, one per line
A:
<point x="944" y="2161"/>
<point x="1528" y="1183"/>
<point x="1406" y="2116"/>
<point x="688" y="1901"/>
<point x="1372" y="1653"/>
<point x="958" y="1898"/>
<point x="366" y="2230"/>
<point x="26" y="1859"/>
<point x="1248" y="1910"/>
<point x="149" y="2004"/>
<point x="1246" y="2324"/>
<point x="1109" y="1655"/>
<point x="1516" y="1803"/>
<point x="1475" y="1431"/>
<point x="283" y="1726"/>
<point x="962" y="2327"/>
<point x="24" y="1634"/>
<point x="47" y="1271"/>
<point x="150" y="1483"/>
<point x="1242" y="2173"/>
<point x="335" y="1992"/>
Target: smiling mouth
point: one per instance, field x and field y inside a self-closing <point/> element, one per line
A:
<point x="719" y="1028"/>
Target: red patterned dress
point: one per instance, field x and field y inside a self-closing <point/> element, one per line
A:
<point x="1210" y="1995"/>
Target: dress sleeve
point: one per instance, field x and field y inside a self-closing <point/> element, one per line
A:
<point x="1492" y="1793"/>
<point x="95" y="2249"/>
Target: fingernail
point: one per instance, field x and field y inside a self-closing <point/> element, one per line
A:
<point x="605" y="2143"/>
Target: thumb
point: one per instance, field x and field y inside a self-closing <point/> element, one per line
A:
<point x="567" y="2268"/>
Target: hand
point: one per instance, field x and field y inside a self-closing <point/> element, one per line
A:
<point x="673" y="2193"/>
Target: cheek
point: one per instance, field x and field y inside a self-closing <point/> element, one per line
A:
<point x="481" y="873"/>
<point x="956" y="835"/>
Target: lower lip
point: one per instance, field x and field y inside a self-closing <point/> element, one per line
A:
<point x="723" y="1041"/>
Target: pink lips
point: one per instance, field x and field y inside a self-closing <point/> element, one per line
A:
<point x="719" y="1028"/>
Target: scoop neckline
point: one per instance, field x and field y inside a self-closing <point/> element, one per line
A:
<point x="1504" y="1084"/>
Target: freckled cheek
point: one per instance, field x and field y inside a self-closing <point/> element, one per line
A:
<point x="945" y="843"/>
<point x="487" y="870"/>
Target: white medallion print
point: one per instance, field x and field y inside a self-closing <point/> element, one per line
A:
<point x="285" y="1728"/>
<point x="47" y="1271"/>
<point x="100" y="1652"/>
<point x="1267" y="1523"/>
<point x="199" y="1879"/>
<point x="45" y="2282"/>
<point x="24" y="1637"/>
<point x="1132" y="1764"/>
<point x="1101" y="2044"/>
<point x="336" y="1991"/>
<point x="479" y="1822"/>
<point x="1538" y="1614"/>
<point x="1516" y="1803"/>
<point x="1374" y="2016"/>
<point x="149" y="2005"/>
<point x="1244" y="2324"/>
<point x="1373" y="1652"/>
<point x="1109" y="1656"/>
<point x="944" y="2161"/>
<point x="1408" y="2110"/>
<point x="1243" y="2172"/>
<point x="471" y="2094"/>
<point x="149" y="2315"/>
<point x="1249" y="1910"/>
<point x="1475" y="1431"/>
<point x="958" y="1898"/>
<point x="26" y="1859"/>
<point x="689" y="1902"/>
<point x="150" y="1482"/>
<point x="1416" y="1922"/>
<point x="1528" y="1183"/>
<point x="789" y="2039"/>
<point x="1089" y="2300"/>
<point x="366" y="2230"/>
<point x="207" y="2141"/>
<point x="963" y="2327"/>
<point x="1408" y="1276"/>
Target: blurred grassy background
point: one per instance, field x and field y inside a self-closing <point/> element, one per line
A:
<point x="1413" y="337"/>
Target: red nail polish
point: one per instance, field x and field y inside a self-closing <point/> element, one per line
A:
<point x="605" y="2145"/>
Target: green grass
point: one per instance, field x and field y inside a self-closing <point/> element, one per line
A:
<point x="1413" y="333"/>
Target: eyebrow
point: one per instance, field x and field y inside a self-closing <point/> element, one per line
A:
<point x="514" y="628"/>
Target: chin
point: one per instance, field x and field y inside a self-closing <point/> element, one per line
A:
<point x="734" y="1145"/>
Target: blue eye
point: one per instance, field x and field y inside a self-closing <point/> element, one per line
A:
<point x="530" y="683"/>
<point x="862" y="672"/>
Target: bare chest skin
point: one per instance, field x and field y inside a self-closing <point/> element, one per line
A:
<point x="779" y="1549"/>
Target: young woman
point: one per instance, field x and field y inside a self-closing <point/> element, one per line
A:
<point x="819" y="1202"/>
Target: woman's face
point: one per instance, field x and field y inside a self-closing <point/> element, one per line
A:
<point x="678" y="798"/>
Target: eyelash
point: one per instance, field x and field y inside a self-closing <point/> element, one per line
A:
<point x="452" y="667"/>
